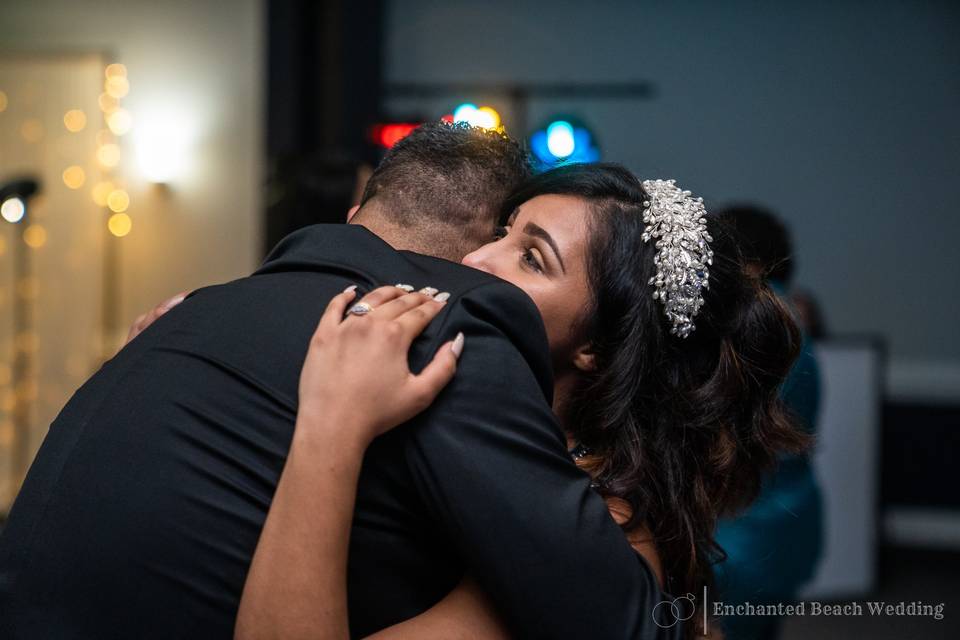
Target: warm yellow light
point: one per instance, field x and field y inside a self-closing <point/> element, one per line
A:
<point x="28" y="341"/>
<point x="32" y="130"/>
<point x="3" y="102"/>
<point x="74" y="120"/>
<point x="100" y="192"/>
<point x="488" y="118"/>
<point x="109" y="155"/>
<point x="120" y="121"/>
<point x="12" y="209"/>
<point x="74" y="177"/>
<point x="118" y="201"/>
<point x="114" y="70"/>
<point x="35" y="236"/>
<point x="104" y="136"/>
<point x="117" y="86"/>
<point x="120" y="224"/>
<point x="107" y="103"/>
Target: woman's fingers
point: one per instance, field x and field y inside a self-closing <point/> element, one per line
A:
<point x="333" y="315"/>
<point x="381" y="296"/>
<point x="416" y="319"/>
<point x="439" y="372"/>
<point x="399" y="306"/>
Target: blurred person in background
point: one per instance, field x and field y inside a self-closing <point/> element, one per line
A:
<point x="772" y="549"/>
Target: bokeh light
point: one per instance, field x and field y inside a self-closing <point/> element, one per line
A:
<point x="74" y="177"/>
<point x="32" y="130"/>
<point x="118" y="200"/>
<point x="117" y="86"/>
<point x="109" y="155"/>
<point x="12" y="209"/>
<point x="560" y="138"/>
<point x="108" y="104"/>
<point x="100" y="192"/>
<point x="115" y="70"/>
<point x="119" y="224"/>
<point x="120" y="122"/>
<point x="74" y="120"/>
<point x="35" y="236"/>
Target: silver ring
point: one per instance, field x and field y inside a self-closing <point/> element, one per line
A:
<point x="360" y="309"/>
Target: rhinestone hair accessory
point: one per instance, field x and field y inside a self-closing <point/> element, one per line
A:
<point x="676" y="220"/>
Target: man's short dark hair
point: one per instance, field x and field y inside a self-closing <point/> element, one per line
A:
<point x="764" y="238"/>
<point x="452" y="174"/>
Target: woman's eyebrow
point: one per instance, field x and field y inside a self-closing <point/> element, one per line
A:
<point x="537" y="231"/>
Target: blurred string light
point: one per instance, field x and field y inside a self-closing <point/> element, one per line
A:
<point x="119" y="121"/>
<point x="35" y="236"/>
<point x="108" y="155"/>
<point x="74" y="177"/>
<point x="118" y="201"/>
<point x="12" y="209"/>
<point x="100" y="192"/>
<point x="120" y="224"/>
<point x="75" y="120"/>
<point x="563" y="141"/>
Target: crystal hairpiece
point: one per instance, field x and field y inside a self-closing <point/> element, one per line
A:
<point x="676" y="219"/>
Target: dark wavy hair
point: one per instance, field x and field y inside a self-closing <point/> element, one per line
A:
<point x="683" y="430"/>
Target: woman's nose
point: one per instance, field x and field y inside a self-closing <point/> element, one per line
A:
<point x="476" y="260"/>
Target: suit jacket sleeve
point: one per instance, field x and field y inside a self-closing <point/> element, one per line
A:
<point x="492" y="466"/>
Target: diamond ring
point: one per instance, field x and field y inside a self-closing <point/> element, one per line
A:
<point x="360" y="309"/>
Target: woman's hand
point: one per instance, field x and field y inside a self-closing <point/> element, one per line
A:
<point x="145" y="320"/>
<point x="356" y="378"/>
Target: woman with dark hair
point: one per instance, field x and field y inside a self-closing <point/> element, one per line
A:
<point x="667" y="355"/>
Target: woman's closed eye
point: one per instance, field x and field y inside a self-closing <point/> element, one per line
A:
<point x="531" y="260"/>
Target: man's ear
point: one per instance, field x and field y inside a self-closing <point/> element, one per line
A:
<point x="584" y="359"/>
<point x="352" y="212"/>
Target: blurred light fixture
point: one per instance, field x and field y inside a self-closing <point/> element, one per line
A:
<point x="388" y="134"/>
<point x="162" y="141"/>
<point x="13" y="209"/>
<point x="563" y="140"/>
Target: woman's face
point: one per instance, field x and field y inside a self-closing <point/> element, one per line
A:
<point x="544" y="253"/>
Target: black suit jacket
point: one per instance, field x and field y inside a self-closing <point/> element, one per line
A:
<point x="142" y="510"/>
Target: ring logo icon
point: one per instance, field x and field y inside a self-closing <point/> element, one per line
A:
<point x="667" y="613"/>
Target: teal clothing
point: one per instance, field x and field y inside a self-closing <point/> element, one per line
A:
<point x="773" y="547"/>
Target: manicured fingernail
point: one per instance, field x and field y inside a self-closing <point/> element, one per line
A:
<point x="430" y="291"/>
<point x="442" y="297"/>
<point x="350" y="289"/>
<point x="406" y="287"/>
<point x="457" y="346"/>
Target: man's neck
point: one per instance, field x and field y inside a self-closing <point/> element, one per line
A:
<point x="386" y="232"/>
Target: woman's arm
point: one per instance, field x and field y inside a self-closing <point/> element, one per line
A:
<point x="355" y="385"/>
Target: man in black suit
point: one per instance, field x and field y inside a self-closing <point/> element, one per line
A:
<point x="142" y="510"/>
